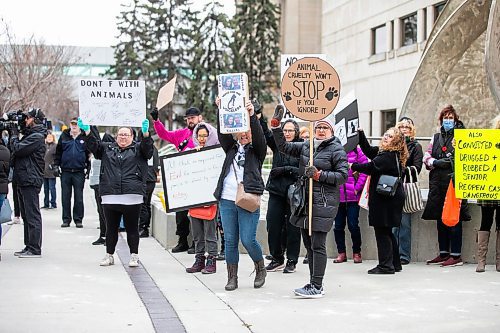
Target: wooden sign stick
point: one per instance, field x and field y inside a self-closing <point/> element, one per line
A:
<point x="311" y="160"/>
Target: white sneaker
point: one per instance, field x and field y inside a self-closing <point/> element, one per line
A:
<point x="15" y="220"/>
<point x="134" y="260"/>
<point x="108" y="260"/>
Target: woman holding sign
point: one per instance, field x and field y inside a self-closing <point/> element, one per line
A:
<point x="329" y="172"/>
<point x="245" y="154"/>
<point x="122" y="184"/>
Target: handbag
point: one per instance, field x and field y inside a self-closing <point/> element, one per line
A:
<point x="387" y="185"/>
<point x="248" y="201"/>
<point x="5" y="212"/>
<point x="413" y="201"/>
<point x="297" y="197"/>
<point x="204" y="212"/>
<point x="451" y="207"/>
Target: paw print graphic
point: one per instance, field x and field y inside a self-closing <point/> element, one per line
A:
<point x="332" y="92"/>
<point x="497" y="146"/>
<point x="288" y="96"/>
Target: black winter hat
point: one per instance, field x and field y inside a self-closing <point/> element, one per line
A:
<point x="192" y="111"/>
<point x="36" y="113"/>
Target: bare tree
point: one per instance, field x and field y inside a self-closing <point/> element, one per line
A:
<point x="32" y="74"/>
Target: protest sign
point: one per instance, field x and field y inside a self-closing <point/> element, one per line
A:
<point x="286" y="61"/>
<point x="477" y="164"/>
<point x="190" y="177"/>
<point x="112" y="102"/>
<point x="310" y="89"/>
<point x="166" y="93"/>
<point x="233" y="93"/>
<point x="347" y="121"/>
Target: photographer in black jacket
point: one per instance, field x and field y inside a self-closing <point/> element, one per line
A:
<point x="28" y="161"/>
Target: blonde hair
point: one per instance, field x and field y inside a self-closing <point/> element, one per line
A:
<point x="406" y="122"/>
<point x="53" y="137"/>
<point x="496" y="122"/>
<point x="303" y="130"/>
<point x="397" y="144"/>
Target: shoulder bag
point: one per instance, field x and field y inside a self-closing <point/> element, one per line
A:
<point x="387" y="185"/>
<point x="5" y="212"/>
<point x="248" y="201"/>
<point x="297" y="197"/>
<point x="413" y="201"/>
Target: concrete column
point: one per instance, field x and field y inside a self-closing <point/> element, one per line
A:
<point x="389" y="35"/>
<point x="431" y="14"/>
<point x="421" y="33"/>
<point x="397" y="33"/>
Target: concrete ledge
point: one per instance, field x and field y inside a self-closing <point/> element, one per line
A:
<point x="424" y="235"/>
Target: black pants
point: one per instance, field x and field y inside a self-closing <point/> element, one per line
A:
<point x="100" y="211"/>
<point x="487" y="217"/>
<point x="145" y="219"/>
<point x="15" y="196"/>
<point x="29" y="205"/>
<point x="72" y="182"/>
<point x="387" y="248"/>
<point x="114" y="214"/>
<point x="278" y="227"/>
<point x="182" y="223"/>
<point x="316" y="253"/>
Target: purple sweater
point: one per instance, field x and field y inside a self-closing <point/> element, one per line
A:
<point x="354" y="187"/>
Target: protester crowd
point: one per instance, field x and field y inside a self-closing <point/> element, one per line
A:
<point x="123" y="169"/>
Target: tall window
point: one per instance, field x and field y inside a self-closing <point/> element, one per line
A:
<point x="439" y="8"/>
<point x="379" y="38"/>
<point x="388" y="119"/>
<point x="409" y="29"/>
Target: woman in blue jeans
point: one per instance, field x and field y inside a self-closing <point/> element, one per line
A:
<point x="245" y="154"/>
<point x="4" y="177"/>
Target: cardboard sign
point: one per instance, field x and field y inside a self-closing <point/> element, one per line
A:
<point x="166" y="93"/>
<point x="190" y="177"/>
<point x="286" y="61"/>
<point x="310" y="89"/>
<point x="112" y="102"/>
<point x="477" y="164"/>
<point x="233" y="93"/>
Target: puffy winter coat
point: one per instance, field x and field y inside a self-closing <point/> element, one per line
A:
<point x="331" y="159"/>
<point x="28" y="156"/>
<point x="123" y="170"/>
<point x="351" y="190"/>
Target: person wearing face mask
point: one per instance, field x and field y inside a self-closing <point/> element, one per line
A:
<point x="245" y="154"/>
<point x="439" y="160"/>
<point x="122" y="184"/>
<point x="284" y="172"/>
<point x="182" y="139"/>
<point x="329" y="172"/>
<point x="415" y="155"/>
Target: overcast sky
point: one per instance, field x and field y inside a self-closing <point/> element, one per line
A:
<point x="75" y="22"/>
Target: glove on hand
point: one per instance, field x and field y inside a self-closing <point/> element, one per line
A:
<point x="82" y="126"/>
<point x="56" y="170"/>
<point x="145" y="126"/>
<point x="277" y="172"/>
<point x="279" y="111"/>
<point x="442" y="164"/>
<point x="312" y="172"/>
<point x="154" y="113"/>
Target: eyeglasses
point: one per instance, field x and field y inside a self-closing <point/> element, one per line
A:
<point x="404" y="126"/>
<point x="388" y="135"/>
<point x="124" y="135"/>
<point x="288" y="130"/>
<point x="322" y="128"/>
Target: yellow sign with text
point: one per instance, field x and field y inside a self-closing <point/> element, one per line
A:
<point x="477" y="164"/>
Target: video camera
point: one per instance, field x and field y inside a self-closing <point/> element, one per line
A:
<point x="13" y="119"/>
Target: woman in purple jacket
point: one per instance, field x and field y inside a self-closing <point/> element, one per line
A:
<point x="349" y="210"/>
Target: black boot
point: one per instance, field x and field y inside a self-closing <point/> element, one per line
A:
<point x="181" y="246"/>
<point x="191" y="249"/>
<point x="144" y="233"/>
<point x="232" y="277"/>
<point x="260" y="274"/>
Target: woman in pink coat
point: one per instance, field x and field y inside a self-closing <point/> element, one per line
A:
<point x="349" y="210"/>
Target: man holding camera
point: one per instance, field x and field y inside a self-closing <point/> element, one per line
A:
<point x="28" y="160"/>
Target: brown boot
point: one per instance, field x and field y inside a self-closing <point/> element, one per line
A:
<point x="210" y="266"/>
<point x="199" y="264"/>
<point x="483" y="238"/>
<point x="232" y="277"/>
<point x="498" y="251"/>
<point x="260" y="274"/>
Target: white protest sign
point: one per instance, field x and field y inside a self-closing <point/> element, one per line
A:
<point x="286" y="61"/>
<point x="112" y="102"/>
<point x="233" y="93"/>
<point x="190" y="177"/>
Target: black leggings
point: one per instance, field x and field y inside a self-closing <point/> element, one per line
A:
<point x="487" y="217"/>
<point x="130" y="214"/>
<point x="316" y="253"/>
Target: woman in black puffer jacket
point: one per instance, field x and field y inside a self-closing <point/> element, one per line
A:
<point x="328" y="172"/>
<point x="284" y="172"/>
